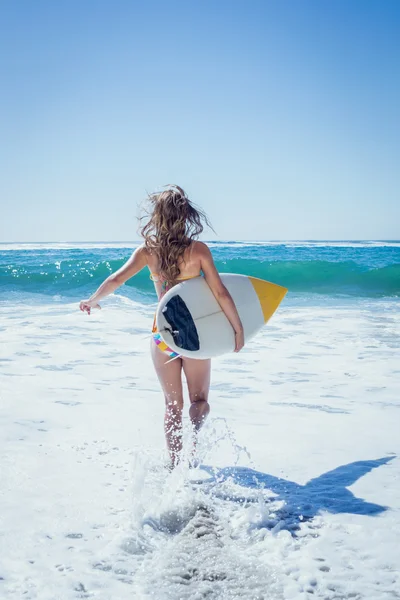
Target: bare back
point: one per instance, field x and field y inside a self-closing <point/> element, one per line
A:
<point x="190" y="265"/>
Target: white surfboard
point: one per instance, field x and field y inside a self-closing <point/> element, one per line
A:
<point x="192" y="323"/>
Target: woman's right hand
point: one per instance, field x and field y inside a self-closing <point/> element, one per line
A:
<point x="87" y="305"/>
<point x="239" y="340"/>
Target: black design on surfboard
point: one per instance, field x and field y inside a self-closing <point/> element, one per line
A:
<point x="182" y="326"/>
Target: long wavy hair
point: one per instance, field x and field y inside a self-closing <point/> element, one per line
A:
<point x="172" y="224"/>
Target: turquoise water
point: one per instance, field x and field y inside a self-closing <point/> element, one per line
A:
<point x="352" y="269"/>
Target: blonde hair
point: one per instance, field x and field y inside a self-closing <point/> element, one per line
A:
<point x="173" y="223"/>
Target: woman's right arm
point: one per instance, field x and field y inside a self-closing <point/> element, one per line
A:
<point x="221" y="293"/>
<point x="133" y="265"/>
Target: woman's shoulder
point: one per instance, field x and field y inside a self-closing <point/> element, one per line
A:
<point x="146" y="256"/>
<point x="196" y="255"/>
<point x="144" y="250"/>
<point x="200" y="248"/>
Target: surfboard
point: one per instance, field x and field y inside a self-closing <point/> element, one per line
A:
<point x="192" y="323"/>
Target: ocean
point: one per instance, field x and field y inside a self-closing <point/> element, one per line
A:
<point x="352" y="269"/>
<point x="298" y="490"/>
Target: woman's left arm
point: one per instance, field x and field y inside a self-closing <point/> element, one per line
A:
<point x="133" y="265"/>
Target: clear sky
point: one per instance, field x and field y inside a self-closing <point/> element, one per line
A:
<point x="280" y="118"/>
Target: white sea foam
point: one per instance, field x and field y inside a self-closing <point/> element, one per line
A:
<point x="298" y="494"/>
<point x="66" y="245"/>
<point x="215" y="244"/>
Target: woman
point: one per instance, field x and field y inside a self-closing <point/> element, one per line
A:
<point x="173" y="254"/>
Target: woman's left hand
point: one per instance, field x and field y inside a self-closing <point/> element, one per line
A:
<point x="87" y="305"/>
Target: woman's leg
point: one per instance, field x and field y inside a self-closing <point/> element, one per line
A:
<point x="197" y="374"/>
<point x="170" y="377"/>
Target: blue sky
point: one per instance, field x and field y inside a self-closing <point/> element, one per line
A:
<point x="280" y="118"/>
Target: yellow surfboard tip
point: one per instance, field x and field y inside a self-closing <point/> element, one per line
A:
<point x="270" y="295"/>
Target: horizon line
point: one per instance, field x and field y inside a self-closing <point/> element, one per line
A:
<point x="208" y="241"/>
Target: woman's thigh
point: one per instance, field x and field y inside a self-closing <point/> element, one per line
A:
<point x="169" y="373"/>
<point x="198" y="374"/>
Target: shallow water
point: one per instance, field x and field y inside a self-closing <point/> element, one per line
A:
<point x="298" y="493"/>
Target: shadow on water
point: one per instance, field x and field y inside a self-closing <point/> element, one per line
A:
<point x="328" y="492"/>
